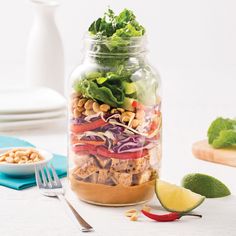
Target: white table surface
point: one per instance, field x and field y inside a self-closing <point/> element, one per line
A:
<point x="188" y="108"/>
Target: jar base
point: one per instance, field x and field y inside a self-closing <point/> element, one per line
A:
<point x="104" y="195"/>
<point x="114" y="205"/>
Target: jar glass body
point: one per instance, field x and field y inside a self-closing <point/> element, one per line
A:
<point x="114" y="125"/>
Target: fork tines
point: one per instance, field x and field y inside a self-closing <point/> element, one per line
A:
<point x="46" y="178"/>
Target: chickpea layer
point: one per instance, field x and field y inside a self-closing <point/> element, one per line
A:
<point x="86" y="106"/>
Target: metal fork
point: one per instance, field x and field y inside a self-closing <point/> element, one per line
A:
<point x="51" y="186"/>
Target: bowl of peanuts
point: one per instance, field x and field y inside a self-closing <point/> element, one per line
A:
<point x="21" y="161"/>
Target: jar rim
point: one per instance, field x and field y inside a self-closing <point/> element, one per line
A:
<point x="134" y="47"/>
<point x="94" y="38"/>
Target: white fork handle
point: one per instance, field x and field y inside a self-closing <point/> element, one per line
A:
<point x="84" y="226"/>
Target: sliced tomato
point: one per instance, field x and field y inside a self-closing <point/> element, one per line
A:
<point x="102" y="151"/>
<point x="80" y="128"/>
<point x="85" y="149"/>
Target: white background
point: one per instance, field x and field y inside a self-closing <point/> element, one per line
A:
<point x="192" y="43"/>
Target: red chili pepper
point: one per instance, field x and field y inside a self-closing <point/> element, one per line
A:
<point x="167" y="217"/>
<point x="87" y="126"/>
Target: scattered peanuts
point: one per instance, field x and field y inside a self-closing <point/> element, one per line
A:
<point x="134" y="217"/>
<point x="132" y="214"/>
<point x="21" y="156"/>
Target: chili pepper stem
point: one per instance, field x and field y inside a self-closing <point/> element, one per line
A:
<point x="190" y="214"/>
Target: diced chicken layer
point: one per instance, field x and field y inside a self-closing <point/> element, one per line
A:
<point x="113" y="171"/>
<point x="130" y="166"/>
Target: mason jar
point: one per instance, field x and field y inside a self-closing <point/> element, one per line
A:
<point x="115" y="123"/>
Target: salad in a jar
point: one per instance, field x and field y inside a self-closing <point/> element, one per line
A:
<point x="115" y="115"/>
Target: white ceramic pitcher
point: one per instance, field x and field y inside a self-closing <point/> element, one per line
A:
<point x="45" y="57"/>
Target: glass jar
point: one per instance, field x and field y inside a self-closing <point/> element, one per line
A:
<point x="114" y="123"/>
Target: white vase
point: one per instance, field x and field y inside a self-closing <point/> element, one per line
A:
<point x="45" y="57"/>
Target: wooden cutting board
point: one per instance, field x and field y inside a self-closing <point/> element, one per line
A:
<point x="202" y="150"/>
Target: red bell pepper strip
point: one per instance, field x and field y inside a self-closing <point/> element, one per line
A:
<point x="137" y="105"/>
<point x="167" y="217"/>
<point x="102" y="151"/>
<point x="80" y="128"/>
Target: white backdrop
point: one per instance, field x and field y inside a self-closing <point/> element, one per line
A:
<point x="192" y="43"/>
<point x="185" y="32"/>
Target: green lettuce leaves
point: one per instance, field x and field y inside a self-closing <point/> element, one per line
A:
<point x="222" y="133"/>
<point x="123" y="25"/>
<point x="107" y="89"/>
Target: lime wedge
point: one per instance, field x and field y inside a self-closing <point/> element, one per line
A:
<point x="205" y="185"/>
<point x="175" y="198"/>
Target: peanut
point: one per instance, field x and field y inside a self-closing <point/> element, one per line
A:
<point x="11" y="154"/>
<point x="135" y="123"/>
<point x="113" y="111"/>
<point x="89" y="105"/>
<point x="20" y="153"/>
<point x="134" y="217"/>
<point x="96" y="107"/>
<point x="76" y="113"/>
<point x="88" y="112"/>
<point x="105" y="107"/>
<point x="121" y="110"/>
<point x="130" y="212"/>
<point x="81" y="102"/>
<point x="24" y="158"/>
<point x="9" y="159"/>
<point x="2" y="158"/>
<point x="126" y="116"/>
<point x="33" y="156"/>
<point x="36" y="159"/>
<point x="16" y="159"/>
<point x="80" y="109"/>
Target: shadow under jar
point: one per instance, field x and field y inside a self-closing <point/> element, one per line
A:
<point x="114" y="124"/>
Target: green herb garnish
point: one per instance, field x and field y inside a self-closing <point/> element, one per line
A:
<point x="222" y="133"/>
<point x="123" y="25"/>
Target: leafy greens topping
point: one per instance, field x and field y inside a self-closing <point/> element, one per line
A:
<point x="123" y="25"/>
<point x="222" y="133"/>
<point x="111" y="49"/>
